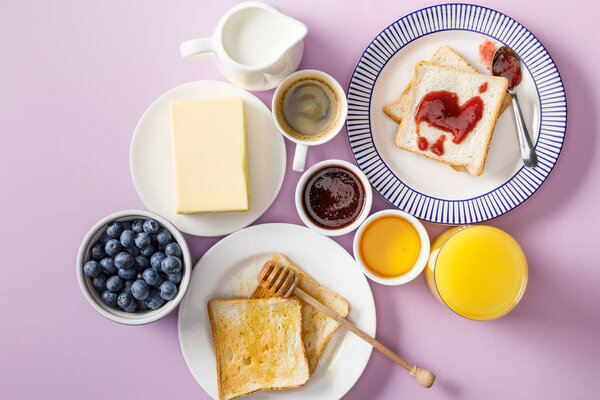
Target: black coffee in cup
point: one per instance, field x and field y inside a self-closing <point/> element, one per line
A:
<point x="308" y="108"/>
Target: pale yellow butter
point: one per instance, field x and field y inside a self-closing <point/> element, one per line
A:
<point x="209" y="153"/>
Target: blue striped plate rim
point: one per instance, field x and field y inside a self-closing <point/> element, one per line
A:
<point x="463" y="17"/>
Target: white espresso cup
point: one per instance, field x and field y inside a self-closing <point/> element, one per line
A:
<point x="254" y="45"/>
<point x="303" y="143"/>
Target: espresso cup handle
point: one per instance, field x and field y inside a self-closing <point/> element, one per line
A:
<point x="300" y="157"/>
<point x="195" y="49"/>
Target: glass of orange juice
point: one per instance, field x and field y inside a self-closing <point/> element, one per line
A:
<point x="478" y="271"/>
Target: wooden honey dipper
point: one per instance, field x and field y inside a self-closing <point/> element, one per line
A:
<point x="279" y="281"/>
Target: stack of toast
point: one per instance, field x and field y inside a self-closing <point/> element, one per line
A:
<point x="448" y="72"/>
<point x="271" y="343"/>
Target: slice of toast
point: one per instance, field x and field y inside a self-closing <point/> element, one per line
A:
<point x="317" y="328"/>
<point x="471" y="153"/>
<point x="446" y="57"/>
<point x="258" y="345"/>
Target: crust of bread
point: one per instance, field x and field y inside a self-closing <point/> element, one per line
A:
<point x="216" y="346"/>
<point x="456" y="166"/>
<point x="387" y="109"/>
<point x="307" y="280"/>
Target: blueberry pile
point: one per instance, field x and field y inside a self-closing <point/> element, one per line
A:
<point x="136" y="265"/>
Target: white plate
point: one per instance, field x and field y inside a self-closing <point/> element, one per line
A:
<point x="152" y="165"/>
<point x="230" y="268"/>
<point x="431" y="190"/>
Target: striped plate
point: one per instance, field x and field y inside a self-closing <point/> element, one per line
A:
<point x="433" y="191"/>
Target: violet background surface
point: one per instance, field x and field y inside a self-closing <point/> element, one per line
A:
<point x="75" y="78"/>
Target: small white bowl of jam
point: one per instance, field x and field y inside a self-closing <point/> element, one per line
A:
<point x="333" y="197"/>
<point x="392" y="247"/>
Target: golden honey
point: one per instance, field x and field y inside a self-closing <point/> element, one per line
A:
<point x="389" y="246"/>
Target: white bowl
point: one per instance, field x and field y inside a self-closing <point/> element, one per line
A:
<point x="300" y="202"/>
<point x="114" y="314"/>
<point x="421" y="260"/>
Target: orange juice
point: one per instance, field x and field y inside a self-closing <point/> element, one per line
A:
<point x="479" y="272"/>
<point x="389" y="246"/>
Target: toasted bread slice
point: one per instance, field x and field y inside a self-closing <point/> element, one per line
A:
<point x="317" y="328"/>
<point x="258" y="345"/>
<point x="471" y="153"/>
<point x="446" y="57"/>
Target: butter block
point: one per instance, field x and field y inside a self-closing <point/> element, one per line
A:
<point x="209" y="154"/>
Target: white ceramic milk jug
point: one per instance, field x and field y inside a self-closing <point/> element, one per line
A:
<point x="254" y="45"/>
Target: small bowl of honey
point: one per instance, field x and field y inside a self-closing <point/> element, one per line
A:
<point x="392" y="247"/>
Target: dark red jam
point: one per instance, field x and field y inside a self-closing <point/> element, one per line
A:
<point x="438" y="146"/>
<point x="508" y="66"/>
<point x="333" y="197"/>
<point x="483" y="87"/>
<point x="423" y="144"/>
<point x="441" y="110"/>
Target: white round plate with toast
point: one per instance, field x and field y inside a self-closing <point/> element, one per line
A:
<point x="151" y="160"/>
<point x="229" y="269"/>
<point x="431" y="190"/>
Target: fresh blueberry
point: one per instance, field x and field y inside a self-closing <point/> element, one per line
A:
<point x="113" y="247"/>
<point x="132" y="307"/>
<point x="127" y="238"/>
<point x="114" y="283"/>
<point x="134" y="251"/>
<point x="148" y="251"/>
<point x="114" y="230"/>
<point x="139" y="275"/>
<point x="99" y="283"/>
<point x="173" y="249"/>
<point x="168" y="290"/>
<point x="109" y="298"/>
<point x="141" y="263"/>
<point x="97" y="251"/>
<point x="156" y="260"/>
<point x="176" y="277"/>
<point x="170" y="265"/>
<point x="163" y="236"/>
<point x="124" y="260"/>
<point x="142" y="305"/>
<point x="126" y="225"/>
<point x="151" y="276"/>
<point x="154" y="301"/>
<point x="160" y="281"/>
<point x="140" y="289"/>
<point x="104" y="238"/>
<point x="151" y="226"/>
<point x="137" y="226"/>
<point x="92" y="269"/>
<point x="108" y="265"/>
<point x="143" y="240"/>
<point x="127" y="273"/>
<point x="124" y="300"/>
<point x="127" y="286"/>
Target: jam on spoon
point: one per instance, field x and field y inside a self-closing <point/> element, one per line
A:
<point x="507" y="63"/>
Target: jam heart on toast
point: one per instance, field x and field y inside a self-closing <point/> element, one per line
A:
<point x="441" y="110"/>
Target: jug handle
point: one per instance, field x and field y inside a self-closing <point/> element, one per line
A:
<point x="196" y="49"/>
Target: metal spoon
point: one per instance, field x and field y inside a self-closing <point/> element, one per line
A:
<point x="501" y="59"/>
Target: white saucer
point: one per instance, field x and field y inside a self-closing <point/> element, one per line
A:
<point x="229" y="269"/>
<point x="152" y="165"/>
